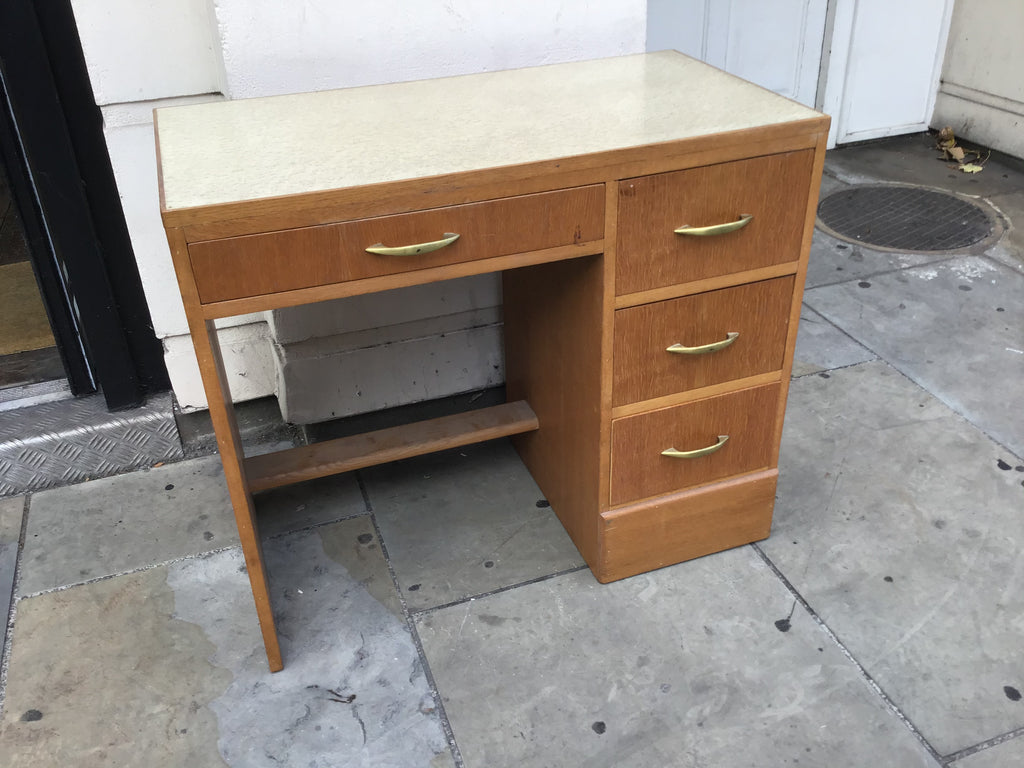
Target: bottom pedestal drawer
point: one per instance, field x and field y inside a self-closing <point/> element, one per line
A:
<point x="640" y="469"/>
<point x="671" y="529"/>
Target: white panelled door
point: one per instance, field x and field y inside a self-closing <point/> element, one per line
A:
<point x="776" y="45"/>
<point x="884" y="68"/>
<point x="881" y="59"/>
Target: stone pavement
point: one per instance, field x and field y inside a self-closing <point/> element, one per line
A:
<point x="434" y="613"/>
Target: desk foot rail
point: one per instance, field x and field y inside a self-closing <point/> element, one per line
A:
<point x="344" y="454"/>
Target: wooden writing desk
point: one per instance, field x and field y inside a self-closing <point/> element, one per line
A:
<point x="651" y="216"/>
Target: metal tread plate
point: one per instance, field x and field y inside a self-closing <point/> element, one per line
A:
<point x="70" y="441"/>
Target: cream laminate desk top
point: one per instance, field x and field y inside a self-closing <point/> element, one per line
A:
<point x="250" y="149"/>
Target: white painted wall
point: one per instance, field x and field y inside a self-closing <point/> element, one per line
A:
<point x="143" y="54"/>
<point x="273" y="47"/>
<point x="138" y="50"/>
<point x="776" y="45"/>
<point x="982" y="92"/>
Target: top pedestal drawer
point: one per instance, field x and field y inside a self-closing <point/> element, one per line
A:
<point x="255" y="265"/>
<point x="772" y="189"/>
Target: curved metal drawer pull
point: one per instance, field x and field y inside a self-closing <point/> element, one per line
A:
<point x="716" y="229"/>
<point x="703" y="349"/>
<point x="673" y="453"/>
<point x="411" y="250"/>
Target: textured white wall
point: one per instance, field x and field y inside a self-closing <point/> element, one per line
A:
<point x="271" y="47"/>
<point x="982" y="90"/>
<point x="149" y="49"/>
<point x="143" y="54"/>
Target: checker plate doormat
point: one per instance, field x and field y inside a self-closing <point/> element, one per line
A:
<point x="905" y="218"/>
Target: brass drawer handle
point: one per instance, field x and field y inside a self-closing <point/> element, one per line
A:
<point x="716" y="229"/>
<point x="411" y="250"/>
<point x="703" y="349"/>
<point x="673" y="453"/>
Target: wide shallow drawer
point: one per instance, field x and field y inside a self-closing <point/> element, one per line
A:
<point x="772" y="190"/>
<point x="682" y="526"/>
<point x="751" y="319"/>
<point x="640" y="470"/>
<point x="255" y="265"/>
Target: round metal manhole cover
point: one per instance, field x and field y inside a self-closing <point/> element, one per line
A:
<point x="905" y="218"/>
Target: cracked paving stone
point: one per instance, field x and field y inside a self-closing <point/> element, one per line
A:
<point x="166" y="666"/>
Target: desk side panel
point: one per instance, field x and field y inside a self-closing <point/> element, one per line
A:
<point x="810" y="212"/>
<point x="553" y="342"/>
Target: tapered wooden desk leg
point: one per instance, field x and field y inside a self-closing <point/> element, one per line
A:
<point x="211" y="366"/>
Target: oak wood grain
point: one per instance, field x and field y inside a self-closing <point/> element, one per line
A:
<point x="682" y="526"/>
<point x="758" y="312"/>
<point x="581" y="237"/>
<point x="345" y="454"/>
<point x="689" y="395"/>
<point x="611" y="210"/>
<point x="229" y="444"/>
<point x="666" y="292"/>
<point x="773" y="189"/>
<point x="553" y="340"/>
<point x="640" y="471"/>
<point x="255" y="265"/>
<point x="398" y="280"/>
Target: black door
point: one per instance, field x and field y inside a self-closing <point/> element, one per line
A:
<point x="60" y="179"/>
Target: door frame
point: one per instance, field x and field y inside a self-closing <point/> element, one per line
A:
<point x="51" y="136"/>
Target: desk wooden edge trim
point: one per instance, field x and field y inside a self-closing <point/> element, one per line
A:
<point x="702" y="393"/>
<point x="220" y="220"/>
<point x="708" y="284"/>
<point x="611" y="212"/>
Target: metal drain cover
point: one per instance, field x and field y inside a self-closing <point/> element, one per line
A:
<point x="904" y="218"/>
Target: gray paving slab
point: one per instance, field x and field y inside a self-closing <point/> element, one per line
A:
<point x="835" y="261"/>
<point x="901" y="525"/>
<point x="913" y="160"/>
<point x="830" y="184"/>
<point x="956" y="328"/>
<point x="166" y="667"/>
<point x="121" y="523"/>
<point x="683" y="666"/>
<point x="11" y="512"/>
<point x="1010" y="250"/>
<point x="1011" y="206"/>
<point x="465" y="522"/>
<point x="820" y="346"/>
<point x="295" y="507"/>
<point x="1006" y="755"/>
<point x="1007" y="256"/>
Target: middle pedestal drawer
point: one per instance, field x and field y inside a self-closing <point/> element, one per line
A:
<point x="757" y="313"/>
<point x="640" y="470"/>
